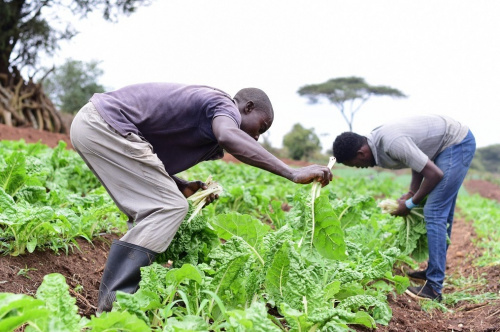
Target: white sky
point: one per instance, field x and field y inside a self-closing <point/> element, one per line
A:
<point x="444" y="55"/>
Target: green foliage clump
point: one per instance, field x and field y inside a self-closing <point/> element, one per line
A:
<point x="48" y="198"/>
<point x="301" y="143"/>
<point x="192" y="242"/>
<point x="54" y="309"/>
<point x="487" y="159"/>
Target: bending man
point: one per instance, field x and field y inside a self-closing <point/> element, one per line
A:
<point x="439" y="151"/>
<point x="136" y="139"/>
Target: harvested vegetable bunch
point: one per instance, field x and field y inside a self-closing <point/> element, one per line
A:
<point x="388" y="205"/>
<point x="391" y="205"/>
<point x="412" y="234"/>
<point x="199" y="199"/>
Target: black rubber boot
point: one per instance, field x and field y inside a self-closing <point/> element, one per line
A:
<point x="421" y="275"/>
<point x="122" y="272"/>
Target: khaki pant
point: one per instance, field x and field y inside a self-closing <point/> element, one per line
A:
<point x="134" y="177"/>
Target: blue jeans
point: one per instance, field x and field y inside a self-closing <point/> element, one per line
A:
<point x="454" y="161"/>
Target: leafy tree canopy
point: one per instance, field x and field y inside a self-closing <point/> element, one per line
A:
<point x="29" y="28"/>
<point x="301" y="143"/>
<point x="71" y="85"/>
<point x="340" y="91"/>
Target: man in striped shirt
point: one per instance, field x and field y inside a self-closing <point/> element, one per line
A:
<point x="439" y="150"/>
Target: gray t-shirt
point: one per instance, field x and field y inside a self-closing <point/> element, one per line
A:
<point x="412" y="141"/>
<point x="175" y="119"/>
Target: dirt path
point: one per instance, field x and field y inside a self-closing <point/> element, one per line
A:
<point x="408" y="315"/>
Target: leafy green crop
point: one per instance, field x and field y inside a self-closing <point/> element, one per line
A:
<point x="243" y="264"/>
<point x="48" y="198"/>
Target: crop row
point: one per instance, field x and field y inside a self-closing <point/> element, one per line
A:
<point x="262" y="257"/>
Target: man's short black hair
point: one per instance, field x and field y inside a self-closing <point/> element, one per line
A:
<point x="258" y="97"/>
<point x="346" y="146"/>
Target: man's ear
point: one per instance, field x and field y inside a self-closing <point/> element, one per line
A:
<point x="249" y="106"/>
<point x="363" y="151"/>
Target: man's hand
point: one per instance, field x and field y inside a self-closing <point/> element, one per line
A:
<point x="406" y="196"/>
<point x="189" y="188"/>
<point x="402" y="210"/>
<point x="310" y="173"/>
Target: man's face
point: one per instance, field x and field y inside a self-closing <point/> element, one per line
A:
<point x="255" y="123"/>
<point x="364" y="158"/>
<point x="358" y="163"/>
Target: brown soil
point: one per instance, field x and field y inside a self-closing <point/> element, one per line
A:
<point x="83" y="267"/>
<point x="31" y="135"/>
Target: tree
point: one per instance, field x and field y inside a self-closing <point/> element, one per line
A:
<point x="30" y="27"/>
<point x="487" y="159"/>
<point x="71" y="85"/>
<point x="301" y="143"/>
<point x="343" y="90"/>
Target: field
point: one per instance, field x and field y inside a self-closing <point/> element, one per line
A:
<point x="476" y="309"/>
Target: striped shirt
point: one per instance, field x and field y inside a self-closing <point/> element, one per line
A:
<point x="412" y="141"/>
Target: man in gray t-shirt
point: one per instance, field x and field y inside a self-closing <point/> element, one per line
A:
<point x="136" y="139"/>
<point x="439" y="151"/>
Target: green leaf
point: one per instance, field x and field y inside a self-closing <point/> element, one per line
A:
<point x="19" y="309"/>
<point x="55" y="292"/>
<point x="186" y="272"/>
<point x="234" y="224"/>
<point x="363" y="318"/>
<point x="331" y="289"/>
<point x="31" y="245"/>
<point x="35" y="317"/>
<point x="277" y="273"/>
<point x="188" y="323"/>
<point x="6" y="201"/>
<point x="379" y="310"/>
<point x="251" y="230"/>
<point x="254" y="318"/>
<point x="276" y="213"/>
<point x="328" y="234"/>
<point x="13" y="177"/>
<point x="136" y="303"/>
<point x="230" y="262"/>
<point x="401" y="282"/>
<point x="289" y="280"/>
<point x="298" y="320"/>
<point x="227" y="275"/>
<point x="117" y="321"/>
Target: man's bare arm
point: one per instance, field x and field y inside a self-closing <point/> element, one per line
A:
<point x="432" y="175"/>
<point x="416" y="180"/>
<point x="248" y="150"/>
